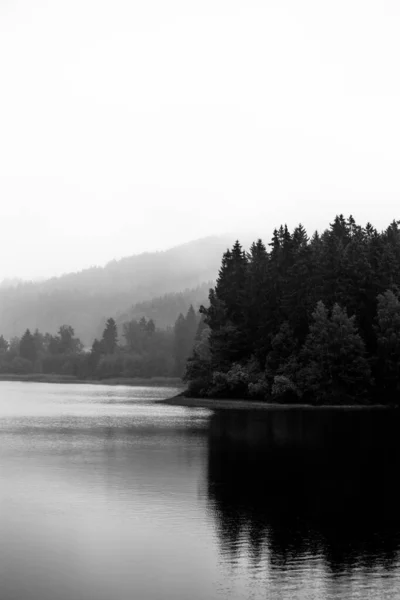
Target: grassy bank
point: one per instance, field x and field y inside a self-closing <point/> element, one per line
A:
<point x="44" y="378"/>
<point x="182" y="400"/>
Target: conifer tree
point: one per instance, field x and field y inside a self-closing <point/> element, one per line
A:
<point x="27" y="347"/>
<point x="226" y="314"/>
<point x="110" y="337"/>
<point x="39" y="342"/>
<point x="184" y="336"/>
<point x="3" y="344"/>
<point x="180" y="355"/>
<point x="257" y="281"/>
<point x="191" y="326"/>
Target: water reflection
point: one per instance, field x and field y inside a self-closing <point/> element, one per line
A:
<point x="293" y="487"/>
<point x="106" y="494"/>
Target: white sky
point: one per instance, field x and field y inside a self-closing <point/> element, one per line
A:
<point x="134" y="125"/>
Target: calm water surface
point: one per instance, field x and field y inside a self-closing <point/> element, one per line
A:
<point x="107" y="495"/>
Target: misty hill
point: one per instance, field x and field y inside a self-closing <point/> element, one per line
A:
<point x="165" y="310"/>
<point x="85" y="299"/>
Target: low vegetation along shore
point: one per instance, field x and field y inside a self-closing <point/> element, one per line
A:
<point x="245" y="404"/>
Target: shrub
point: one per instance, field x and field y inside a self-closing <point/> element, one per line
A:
<point x="258" y="389"/>
<point x="283" y="389"/>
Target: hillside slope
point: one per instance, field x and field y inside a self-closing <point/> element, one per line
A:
<point x="85" y="299"/>
<point x="165" y="309"/>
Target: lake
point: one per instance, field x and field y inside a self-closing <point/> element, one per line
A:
<point x="107" y="495"/>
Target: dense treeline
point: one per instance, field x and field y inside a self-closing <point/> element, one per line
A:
<point x="306" y="320"/>
<point x="143" y="351"/>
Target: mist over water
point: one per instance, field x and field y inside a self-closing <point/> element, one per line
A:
<point x="106" y="494"/>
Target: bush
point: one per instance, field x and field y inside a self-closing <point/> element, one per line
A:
<point x="233" y="384"/>
<point x="284" y="390"/>
<point x="258" y="389"/>
<point x="198" y="388"/>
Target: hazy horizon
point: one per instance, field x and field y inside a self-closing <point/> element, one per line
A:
<point x="141" y="126"/>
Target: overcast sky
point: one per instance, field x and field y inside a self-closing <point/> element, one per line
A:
<point x="133" y="125"/>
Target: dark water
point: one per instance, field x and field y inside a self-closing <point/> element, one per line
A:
<point x="106" y="495"/>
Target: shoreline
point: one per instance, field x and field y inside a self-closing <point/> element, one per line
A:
<point x="232" y="404"/>
<point x="127" y="381"/>
<point x="186" y="401"/>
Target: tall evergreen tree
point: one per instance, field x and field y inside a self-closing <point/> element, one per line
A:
<point x="39" y="342"/>
<point x="191" y="324"/>
<point x="27" y="347"/>
<point x="184" y="336"/>
<point x="3" y="344"/>
<point x="180" y="355"/>
<point x="110" y="337"/>
<point x="226" y="314"/>
<point x="256" y="305"/>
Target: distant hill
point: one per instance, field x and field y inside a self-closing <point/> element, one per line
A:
<point x="165" y="310"/>
<point x="85" y="299"/>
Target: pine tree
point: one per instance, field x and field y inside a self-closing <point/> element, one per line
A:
<point x="191" y="326"/>
<point x="110" y="337"/>
<point x="180" y="353"/>
<point x="3" y="344"/>
<point x="226" y="315"/>
<point x="39" y="342"/>
<point x="27" y="347"/>
<point x="184" y="336"/>
<point x="94" y="357"/>
<point x="257" y="281"/>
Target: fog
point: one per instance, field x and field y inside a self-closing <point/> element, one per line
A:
<point x="133" y="126"/>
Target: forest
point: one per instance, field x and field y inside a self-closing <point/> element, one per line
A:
<point x="300" y="320"/>
<point x="304" y="319"/>
<point x="144" y="351"/>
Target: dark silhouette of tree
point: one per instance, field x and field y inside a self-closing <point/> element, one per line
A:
<point x="3" y="344"/>
<point x="150" y="327"/>
<point x="185" y="330"/>
<point x="27" y="347"/>
<point x="110" y="337"/>
<point x="180" y="355"/>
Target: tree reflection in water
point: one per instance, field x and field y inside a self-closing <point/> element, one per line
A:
<point x="294" y="486"/>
